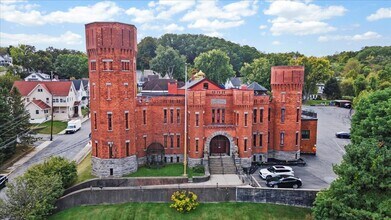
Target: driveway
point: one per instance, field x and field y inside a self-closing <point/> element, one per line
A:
<point x="318" y="173"/>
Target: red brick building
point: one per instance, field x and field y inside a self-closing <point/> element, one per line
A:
<point x="245" y="122"/>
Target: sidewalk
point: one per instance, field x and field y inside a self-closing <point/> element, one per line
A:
<point x="27" y="157"/>
<point x="82" y="121"/>
<point x="83" y="153"/>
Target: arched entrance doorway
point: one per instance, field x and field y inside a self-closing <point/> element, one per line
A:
<point x="155" y="155"/>
<point x="219" y="145"/>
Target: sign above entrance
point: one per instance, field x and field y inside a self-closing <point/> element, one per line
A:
<point x="218" y="101"/>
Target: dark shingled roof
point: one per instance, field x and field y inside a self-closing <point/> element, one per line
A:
<point x="236" y="81"/>
<point x="77" y="83"/>
<point x="160" y="84"/>
<point x="255" y="86"/>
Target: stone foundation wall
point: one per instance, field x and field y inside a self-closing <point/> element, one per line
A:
<point x="176" y="158"/>
<point x="245" y="162"/>
<point x="286" y="155"/>
<point x="192" y="162"/>
<point x="259" y="158"/>
<point x="119" y="167"/>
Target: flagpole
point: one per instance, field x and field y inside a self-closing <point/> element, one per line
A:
<point x="185" y="147"/>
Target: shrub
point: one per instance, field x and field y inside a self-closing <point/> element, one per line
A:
<point x="184" y="201"/>
<point x="199" y="169"/>
<point x="67" y="170"/>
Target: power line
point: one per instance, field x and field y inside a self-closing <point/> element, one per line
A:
<point x="24" y="115"/>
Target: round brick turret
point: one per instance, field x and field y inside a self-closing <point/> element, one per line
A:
<point x="287" y="85"/>
<point x="112" y="51"/>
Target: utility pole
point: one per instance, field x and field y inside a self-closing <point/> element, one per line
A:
<point x="185" y="148"/>
<point x="51" y="126"/>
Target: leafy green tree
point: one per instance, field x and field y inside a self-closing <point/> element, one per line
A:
<point x="372" y="118"/>
<point x="316" y="70"/>
<point x="146" y="52"/>
<point x="258" y="71"/>
<point x="31" y="197"/>
<point x="22" y="127"/>
<point x="215" y="64"/>
<point x="362" y="189"/>
<point x="347" y="87"/>
<point x="23" y="55"/>
<point x="7" y="81"/>
<point x="353" y="66"/>
<point x="71" y="65"/>
<point x="66" y="170"/>
<point x="359" y="84"/>
<point x="169" y="62"/>
<point x="7" y="145"/>
<point x="332" y="89"/>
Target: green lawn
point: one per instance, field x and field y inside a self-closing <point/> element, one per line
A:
<point x="84" y="170"/>
<point x="84" y="111"/>
<point x="167" y="170"/>
<point x="317" y="102"/>
<point x="57" y="127"/>
<point x="222" y="211"/>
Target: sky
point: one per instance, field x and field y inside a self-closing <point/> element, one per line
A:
<point x="311" y="27"/>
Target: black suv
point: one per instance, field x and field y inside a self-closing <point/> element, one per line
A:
<point x="285" y="182"/>
<point x="3" y="181"/>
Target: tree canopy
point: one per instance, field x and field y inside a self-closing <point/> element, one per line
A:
<point x="258" y="71"/>
<point x="215" y="64"/>
<point x="169" y="62"/>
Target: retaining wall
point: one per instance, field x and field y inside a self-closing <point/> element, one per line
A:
<point x="114" y="195"/>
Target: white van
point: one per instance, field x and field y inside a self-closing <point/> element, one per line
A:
<point x="73" y="126"/>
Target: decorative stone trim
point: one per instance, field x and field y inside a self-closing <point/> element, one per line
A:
<point x="120" y="167"/>
<point x="223" y="133"/>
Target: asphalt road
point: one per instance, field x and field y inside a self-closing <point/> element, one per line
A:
<point x="65" y="145"/>
<point x="318" y="173"/>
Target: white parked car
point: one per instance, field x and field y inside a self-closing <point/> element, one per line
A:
<point x="276" y="171"/>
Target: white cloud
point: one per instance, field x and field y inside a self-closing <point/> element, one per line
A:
<point x="207" y="25"/>
<point x="210" y="17"/>
<point x="68" y="37"/>
<point x="169" y="8"/>
<point x="276" y="42"/>
<point x="301" y="18"/>
<point x="12" y="1"/>
<point x="101" y="11"/>
<point x="173" y="27"/>
<point x="261" y="27"/>
<point x="381" y="13"/>
<point x="140" y="15"/>
<point x="358" y="37"/>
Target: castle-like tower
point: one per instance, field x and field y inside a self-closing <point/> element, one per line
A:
<point x="285" y="122"/>
<point x="112" y="51"/>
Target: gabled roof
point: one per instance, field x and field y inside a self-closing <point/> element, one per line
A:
<point x="59" y="88"/>
<point x="192" y="83"/>
<point x="255" y="86"/>
<point x="159" y="84"/>
<point x="85" y="83"/>
<point x="77" y="83"/>
<point x="236" y="81"/>
<point x="42" y="105"/>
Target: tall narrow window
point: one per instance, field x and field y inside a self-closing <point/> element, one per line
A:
<point x="93" y="91"/>
<point x="144" y="116"/>
<point x="245" y="119"/>
<point x="223" y="116"/>
<point x="126" y="120"/>
<point x="109" y="122"/>
<point x="297" y="115"/>
<point x="93" y="65"/>
<point x="261" y="115"/>
<point x="178" y="116"/>
<point x="95" y="121"/>
<point x="282" y="115"/>
<point x="171" y="141"/>
<point x="260" y="139"/>
<point x="213" y="115"/>
<point x="218" y="116"/>
<point x="145" y="142"/>
<point x="127" y="145"/>
<point x="165" y="141"/>
<point x="197" y="119"/>
<point x="110" y="150"/>
<point x="165" y="115"/>
<point x="108" y="85"/>
<point x="254" y="116"/>
<point x="125" y="64"/>
<point x="245" y="144"/>
<point x="268" y="114"/>
<point x="178" y="141"/>
<point x="172" y="115"/>
<point x="196" y="145"/>
<point x="282" y="135"/>
<point x="96" y="149"/>
<point x="297" y="138"/>
<point x="254" y="140"/>
<point x="268" y="138"/>
<point x="107" y="65"/>
<point x="237" y="118"/>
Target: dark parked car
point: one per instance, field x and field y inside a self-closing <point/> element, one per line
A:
<point x="285" y="182"/>
<point x="345" y="135"/>
<point x="3" y="181"/>
<point x="269" y="179"/>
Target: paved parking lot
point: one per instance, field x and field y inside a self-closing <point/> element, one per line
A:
<point x="318" y="173"/>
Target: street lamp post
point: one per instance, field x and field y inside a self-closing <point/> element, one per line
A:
<point x="185" y="147"/>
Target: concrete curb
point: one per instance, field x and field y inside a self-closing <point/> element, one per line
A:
<point x="27" y="157"/>
<point x="83" y="153"/>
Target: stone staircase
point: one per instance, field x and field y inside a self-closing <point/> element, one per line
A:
<point x="221" y="165"/>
